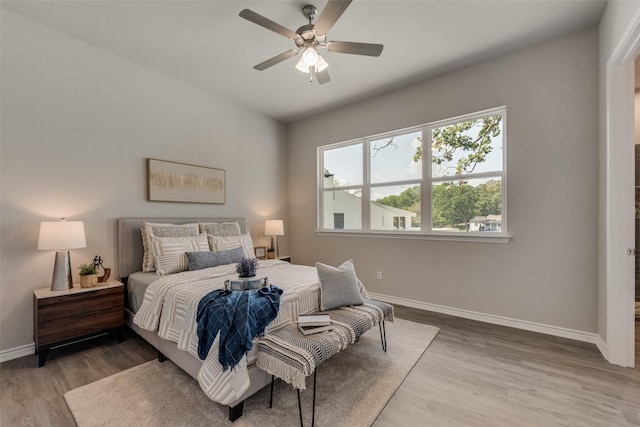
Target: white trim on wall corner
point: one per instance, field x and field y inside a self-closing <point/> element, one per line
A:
<point x="573" y="334"/>
<point x="16" y="352"/>
<point x="602" y="346"/>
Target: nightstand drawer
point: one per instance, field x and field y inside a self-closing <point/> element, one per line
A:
<point x="80" y="324"/>
<point x="79" y="303"/>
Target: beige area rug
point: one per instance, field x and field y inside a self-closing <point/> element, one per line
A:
<point x="353" y="388"/>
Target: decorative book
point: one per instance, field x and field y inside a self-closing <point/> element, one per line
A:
<point x="308" y="330"/>
<point x="314" y="320"/>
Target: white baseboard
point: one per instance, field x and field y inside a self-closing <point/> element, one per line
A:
<point x="29" y="349"/>
<point x="497" y="320"/>
<point x="16" y="352"/>
<point x="602" y="346"/>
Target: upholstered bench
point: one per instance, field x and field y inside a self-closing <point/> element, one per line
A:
<point x="292" y="356"/>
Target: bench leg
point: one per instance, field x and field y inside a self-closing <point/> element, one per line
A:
<point x="271" y="394"/>
<point x="313" y="411"/>
<point x="383" y="335"/>
<point x="300" y="409"/>
<point x="313" y="407"/>
<point x="235" y="412"/>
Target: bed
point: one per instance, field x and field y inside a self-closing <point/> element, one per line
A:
<point x="161" y="309"/>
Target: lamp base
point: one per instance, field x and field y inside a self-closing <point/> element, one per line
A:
<point x="61" y="280"/>
<point x="274" y="244"/>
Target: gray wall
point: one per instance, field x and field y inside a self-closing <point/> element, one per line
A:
<point x="548" y="272"/>
<point x="77" y="126"/>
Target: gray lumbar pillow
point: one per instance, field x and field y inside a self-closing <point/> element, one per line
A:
<point x="207" y="259"/>
<point x="338" y="286"/>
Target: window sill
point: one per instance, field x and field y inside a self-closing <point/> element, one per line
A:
<point x="454" y="237"/>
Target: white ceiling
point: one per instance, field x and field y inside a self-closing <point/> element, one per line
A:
<point x="206" y="43"/>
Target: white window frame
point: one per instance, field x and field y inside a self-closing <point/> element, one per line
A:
<point x="426" y="183"/>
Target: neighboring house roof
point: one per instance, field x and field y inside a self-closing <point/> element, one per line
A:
<point x="390" y="209"/>
<point x="398" y="211"/>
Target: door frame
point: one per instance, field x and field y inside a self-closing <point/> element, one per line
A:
<point x="620" y="198"/>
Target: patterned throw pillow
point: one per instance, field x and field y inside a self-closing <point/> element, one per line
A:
<point x="338" y="286"/>
<point x="218" y="243"/>
<point x="208" y="259"/>
<point x="170" y="252"/>
<point x="223" y="229"/>
<point x="150" y="229"/>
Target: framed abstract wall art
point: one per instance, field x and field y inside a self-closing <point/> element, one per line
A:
<point x="180" y="182"/>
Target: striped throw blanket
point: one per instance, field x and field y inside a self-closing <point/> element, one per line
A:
<point x="238" y="317"/>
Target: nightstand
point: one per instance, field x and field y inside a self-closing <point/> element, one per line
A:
<point x="60" y="317"/>
<point x="285" y="258"/>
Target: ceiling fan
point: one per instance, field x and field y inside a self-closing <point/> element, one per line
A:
<point x="311" y="37"/>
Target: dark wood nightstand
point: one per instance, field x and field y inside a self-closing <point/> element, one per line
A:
<point x="285" y="258"/>
<point x="60" y="317"/>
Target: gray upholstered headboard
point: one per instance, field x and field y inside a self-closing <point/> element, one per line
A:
<point x="130" y="248"/>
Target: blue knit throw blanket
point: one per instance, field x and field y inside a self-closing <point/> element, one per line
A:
<point x="239" y="316"/>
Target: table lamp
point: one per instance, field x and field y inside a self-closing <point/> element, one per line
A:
<point x="274" y="228"/>
<point x="61" y="236"/>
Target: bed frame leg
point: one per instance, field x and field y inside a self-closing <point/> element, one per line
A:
<point x="235" y="412"/>
<point x="161" y="357"/>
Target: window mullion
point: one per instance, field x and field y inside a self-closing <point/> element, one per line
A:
<point x="366" y="186"/>
<point x="320" y="192"/>
<point x="427" y="215"/>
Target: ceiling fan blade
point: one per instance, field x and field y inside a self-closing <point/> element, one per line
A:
<point x="276" y="59"/>
<point x="368" y="49"/>
<point x="323" y="76"/>
<point x="267" y="23"/>
<point x="330" y="14"/>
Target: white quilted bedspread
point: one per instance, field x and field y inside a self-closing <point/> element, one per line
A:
<point x="170" y="307"/>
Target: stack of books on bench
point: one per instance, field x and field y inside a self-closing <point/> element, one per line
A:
<point x="314" y="323"/>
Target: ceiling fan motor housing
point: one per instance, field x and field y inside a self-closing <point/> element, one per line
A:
<point x="310" y="12"/>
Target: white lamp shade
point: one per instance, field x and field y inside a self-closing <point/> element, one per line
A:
<point x="274" y="227"/>
<point x="57" y="235"/>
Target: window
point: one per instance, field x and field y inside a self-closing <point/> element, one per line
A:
<point x="381" y="184"/>
<point x="399" y="223"/>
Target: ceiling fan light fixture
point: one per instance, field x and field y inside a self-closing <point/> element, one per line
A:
<point x="302" y="66"/>
<point x="310" y="57"/>
<point x="321" y="65"/>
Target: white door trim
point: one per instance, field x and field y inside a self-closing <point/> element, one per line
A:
<point x="620" y="206"/>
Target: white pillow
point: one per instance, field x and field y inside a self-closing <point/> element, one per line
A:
<point x="338" y="286"/>
<point x="224" y="243"/>
<point x="150" y="229"/>
<point x="170" y="252"/>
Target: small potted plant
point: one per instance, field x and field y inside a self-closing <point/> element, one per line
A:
<point x="247" y="267"/>
<point x="88" y="275"/>
<point x="247" y="280"/>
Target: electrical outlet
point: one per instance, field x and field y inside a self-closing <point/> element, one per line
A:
<point x="379" y="275"/>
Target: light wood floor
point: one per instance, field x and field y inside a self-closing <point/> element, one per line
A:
<point x="473" y="374"/>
